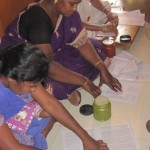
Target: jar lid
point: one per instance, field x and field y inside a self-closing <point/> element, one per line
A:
<point x="102" y="101"/>
<point x="86" y="109"/>
<point x="108" y="42"/>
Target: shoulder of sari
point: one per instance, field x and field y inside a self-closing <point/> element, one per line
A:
<point x="58" y="22"/>
<point x="80" y="39"/>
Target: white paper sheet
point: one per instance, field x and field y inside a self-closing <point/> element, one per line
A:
<point x="129" y="57"/>
<point x="125" y="66"/>
<point x="129" y="76"/>
<point x="119" y="137"/>
<point x="144" y="72"/>
<point x="118" y="65"/>
<point x="129" y="94"/>
<point x="103" y="34"/>
<point x="131" y="18"/>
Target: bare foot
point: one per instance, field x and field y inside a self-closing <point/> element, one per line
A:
<point x="75" y="98"/>
<point x="107" y="61"/>
<point x="148" y="126"/>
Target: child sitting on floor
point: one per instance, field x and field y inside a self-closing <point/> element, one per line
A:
<point x="27" y="110"/>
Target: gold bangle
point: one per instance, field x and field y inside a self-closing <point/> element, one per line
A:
<point x="105" y="28"/>
<point x="98" y="63"/>
<point x="102" y="27"/>
<point x="104" y="9"/>
<point x="85" y="82"/>
<point x="108" y="13"/>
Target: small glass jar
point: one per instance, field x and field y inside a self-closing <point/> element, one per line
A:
<point x="110" y="48"/>
<point x="102" y="108"/>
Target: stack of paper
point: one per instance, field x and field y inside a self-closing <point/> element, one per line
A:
<point x="119" y="137"/>
<point x="129" y="94"/>
<point x="127" y="67"/>
<point x="134" y="17"/>
<point x="131" y="18"/>
<point x="144" y="72"/>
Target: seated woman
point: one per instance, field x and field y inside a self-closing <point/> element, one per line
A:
<point x="97" y="16"/>
<point x="24" y="124"/>
<point x="55" y="27"/>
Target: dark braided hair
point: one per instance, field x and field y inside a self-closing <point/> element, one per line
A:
<point x="24" y="62"/>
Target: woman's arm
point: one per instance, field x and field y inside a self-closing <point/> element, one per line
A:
<point x="57" y="111"/>
<point x="108" y="27"/>
<point x="8" y="141"/>
<point x="111" y="16"/>
<point x="60" y="73"/>
<point x="64" y="75"/>
<point x="89" y="53"/>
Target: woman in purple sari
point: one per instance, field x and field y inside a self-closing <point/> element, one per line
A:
<point x="56" y="28"/>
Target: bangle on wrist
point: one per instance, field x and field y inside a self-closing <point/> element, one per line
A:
<point x="102" y="27"/>
<point x="108" y="13"/>
<point x="85" y="83"/>
<point x="105" y="8"/>
<point x="98" y="63"/>
<point x="105" y="28"/>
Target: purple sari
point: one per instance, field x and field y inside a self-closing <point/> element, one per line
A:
<point x="69" y="34"/>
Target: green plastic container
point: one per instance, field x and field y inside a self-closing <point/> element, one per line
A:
<point x="102" y="108"/>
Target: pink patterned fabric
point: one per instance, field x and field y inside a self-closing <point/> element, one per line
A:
<point x="22" y="120"/>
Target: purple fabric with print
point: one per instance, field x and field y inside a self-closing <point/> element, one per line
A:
<point x="11" y="36"/>
<point x="22" y="120"/>
<point x="68" y="56"/>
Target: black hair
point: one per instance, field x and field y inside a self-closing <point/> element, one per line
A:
<point x="24" y="62"/>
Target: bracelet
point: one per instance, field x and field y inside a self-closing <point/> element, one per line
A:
<point x="108" y="13"/>
<point x="85" y="82"/>
<point x="98" y="63"/>
<point x="105" y="28"/>
<point x="104" y="9"/>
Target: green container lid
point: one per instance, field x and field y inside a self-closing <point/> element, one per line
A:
<point x="102" y="108"/>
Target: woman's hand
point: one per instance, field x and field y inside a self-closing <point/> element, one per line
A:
<point x="95" y="145"/>
<point x="49" y="89"/>
<point x="108" y="27"/>
<point x="90" y="87"/>
<point x="113" y="18"/>
<point x="108" y="79"/>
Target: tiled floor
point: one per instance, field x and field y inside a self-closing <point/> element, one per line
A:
<point x="136" y="114"/>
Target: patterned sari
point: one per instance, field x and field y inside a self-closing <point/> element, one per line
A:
<point x="69" y="34"/>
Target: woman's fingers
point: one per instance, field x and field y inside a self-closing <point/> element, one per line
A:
<point x="115" y="22"/>
<point x="115" y="85"/>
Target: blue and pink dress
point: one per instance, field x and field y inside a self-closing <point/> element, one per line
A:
<point x="19" y="113"/>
